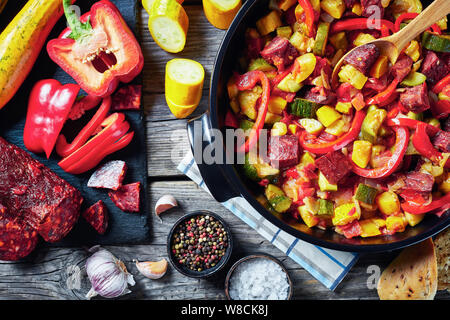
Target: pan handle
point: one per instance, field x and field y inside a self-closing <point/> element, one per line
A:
<point x="199" y="133"/>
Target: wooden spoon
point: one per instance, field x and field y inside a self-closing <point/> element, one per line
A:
<point x="392" y="46"/>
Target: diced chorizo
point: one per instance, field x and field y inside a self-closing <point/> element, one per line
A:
<point x="442" y="141"/>
<point x="372" y="7"/>
<point x="127" y="98"/>
<point x="17" y="239"/>
<point x="320" y="95"/>
<point x="97" y="216"/>
<point x="415" y="98"/>
<point x="280" y="52"/>
<point x="109" y="176"/>
<point x="401" y="68"/>
<point x="283" y="151"/>
<point x="418" y="181"/>
<point x="127" y="198"/>
<point x="334" y="166"/>
<point x="434" y="68"/>
<point x="363" y="57"/>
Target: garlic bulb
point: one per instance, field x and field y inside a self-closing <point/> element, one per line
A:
<point x="108" y="275"/>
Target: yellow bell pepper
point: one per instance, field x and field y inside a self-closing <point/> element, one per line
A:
<point x="353" y="76"/>
<point x="388" y="203"/>
<point x="269" y="23"/>
<point x="341" y="215"/>
<point x="327" y="115"/>
<point x="308" y="218"/>
<point x="369" y="228"/>
<point x="362" y="151"/>
<point x="334" y="8"/>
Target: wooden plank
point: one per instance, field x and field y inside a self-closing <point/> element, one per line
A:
<point x="166" y="146"/>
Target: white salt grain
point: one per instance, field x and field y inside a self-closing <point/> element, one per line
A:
<point x="259" y="279"/>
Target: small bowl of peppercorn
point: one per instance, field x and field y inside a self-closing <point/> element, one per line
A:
<point x="199" y="244"/>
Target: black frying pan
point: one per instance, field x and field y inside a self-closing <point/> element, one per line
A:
<point x="225" y="182"/>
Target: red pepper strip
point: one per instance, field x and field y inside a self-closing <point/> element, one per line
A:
<point x="401" y="144"/>
<point x="339" y="143"/>
<point x="49" y="106"/>
<point x="64" y="149"/>
<point x="309" y="15"/>
<point x="247" y="82"/>
<point x="441" y="109"/>
<point x="385" y="96"/>
<point x="412" y="124"/>
<point x="115" y="127"/>
<point x="384" y="31"/>
<point x="361" y="23"/>
<point x="97" y="155"/>
<point x="410" y="16"/>
<point x="438" y="87"/>
<point x="423" y="145"/>
<point x="441" y="203"/>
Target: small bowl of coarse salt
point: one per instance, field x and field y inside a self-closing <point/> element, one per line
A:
<point x="258" y="277"/>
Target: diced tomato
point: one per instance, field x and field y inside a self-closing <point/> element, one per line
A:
<point x="292" y="173"/>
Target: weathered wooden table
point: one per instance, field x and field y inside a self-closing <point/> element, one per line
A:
<point x="41" y="275"/>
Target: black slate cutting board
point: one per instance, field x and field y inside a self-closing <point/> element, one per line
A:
<point x="124" y="228"/>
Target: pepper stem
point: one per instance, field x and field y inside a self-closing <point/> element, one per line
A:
<point x="79" y="29"/>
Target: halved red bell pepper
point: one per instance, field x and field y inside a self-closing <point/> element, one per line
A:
<point x="441" y="203"/>
<point x="339" y="143"/>
<point x="90" y="154"/>
<point x="309" y="15"/>
<point x="100" y="51"/>
<point x="49" y="106"/>
<point x="423" y="145"/>
<point x="401" y="144"/>
<point x="387" y="96"/>
<point x="360" y="24"/>
<point x="247" y="82"/>
<point x="64" y="149"/>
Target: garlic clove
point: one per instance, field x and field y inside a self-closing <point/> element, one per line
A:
<point x="165" y="203"/>
<point x="153" y="270"/>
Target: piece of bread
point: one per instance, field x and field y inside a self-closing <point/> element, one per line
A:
<point x="412" y="275"/>
<point x="442" y="248"/>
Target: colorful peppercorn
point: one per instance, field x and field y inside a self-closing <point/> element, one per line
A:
<point x="199" y="243"/>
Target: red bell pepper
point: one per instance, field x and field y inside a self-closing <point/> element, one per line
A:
<point x="410" y="16"/>
<point x="423" y="145"/>
<point x="387" y="96"/>
<point x="110" y="139"/>
<point x="247" y="82"/>
<point x="339" y="143"/>
<point x="100" y="51"/>
<point x="361" y="23"/>
<point x="309" y="15"/>
<point x="48" y="108"/>
<point x="412" y="124"/>
<point x="441" y="203"/>
<point x="438" y="87"/>
<point x="231" y="120"/>
<point x="83" y="104"/>
<point x="440" y="109"/>
<point x="64" y="149"/>
<point x="401" y="144"/>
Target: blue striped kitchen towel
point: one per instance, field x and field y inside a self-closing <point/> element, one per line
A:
<point x="326" y="265"/>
